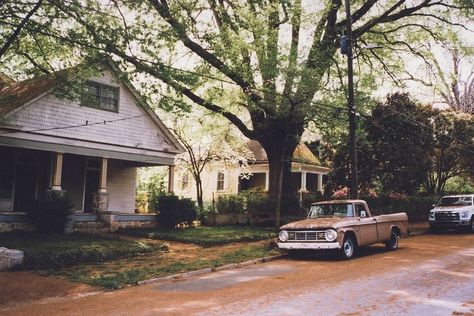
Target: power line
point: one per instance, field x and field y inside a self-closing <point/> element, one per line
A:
<point x="208" y="77"/>
<point x="86" y="124"/>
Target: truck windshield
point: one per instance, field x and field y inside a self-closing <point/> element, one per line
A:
<point x="455" y="201"/>
<point x="339" y="210"/>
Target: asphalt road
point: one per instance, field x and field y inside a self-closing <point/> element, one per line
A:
<point x="428" y="275"/>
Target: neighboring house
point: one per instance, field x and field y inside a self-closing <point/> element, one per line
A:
<point x="89" y="148"/>
<point x="219" y="178"/>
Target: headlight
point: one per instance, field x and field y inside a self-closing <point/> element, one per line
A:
<point x="331" y="235"/>
<point x="464" y="214"/>
<point x="283" y="235"/>
<point x="432" y="214"/>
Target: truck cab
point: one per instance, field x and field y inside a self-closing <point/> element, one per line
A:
<point x="342" y="225"/>
<point x="453" y="211"/>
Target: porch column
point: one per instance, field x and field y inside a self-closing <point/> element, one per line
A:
<point x="100" y="202"/>
<point x="103" y="175"/>
<point x="267" y="181"/>
<point x="57" y="172"/>
<point x="320" y="182"/>
<point x="170" y="179"/>
<point x="303" y="181"/>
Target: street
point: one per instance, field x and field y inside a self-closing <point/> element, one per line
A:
<point x="428" y="275"/>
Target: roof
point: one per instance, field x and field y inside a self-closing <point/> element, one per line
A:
<point x="459" y="195"/>
<point x="339" y="202"/>
<point x="301" y="154"/>
<point x="18" y="94"/>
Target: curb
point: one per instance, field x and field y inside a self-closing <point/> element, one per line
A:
<point x="185" y="275"/>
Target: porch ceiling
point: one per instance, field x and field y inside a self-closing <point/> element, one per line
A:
<point x="140" y="156"/>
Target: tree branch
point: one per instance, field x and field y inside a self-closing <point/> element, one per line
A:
<point x="18" y="29"/>
<point x="162" y="8"/>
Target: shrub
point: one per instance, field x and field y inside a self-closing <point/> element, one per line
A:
<point x="341" y="193"/>
<point x="173" y="211"/>
<point x="259" y="204"/>
<point x="141" y="202"/>
<point x="417" y="208"/>
<point x="230" y="204"/>
<point x="50" y="213"/>
<point x="310" y="198"/>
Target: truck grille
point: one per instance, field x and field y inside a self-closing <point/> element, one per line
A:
<point x="446" y="216"/>
<point x="307" y="235"/>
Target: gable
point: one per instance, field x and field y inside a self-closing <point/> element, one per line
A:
<point x="134" y="126"/>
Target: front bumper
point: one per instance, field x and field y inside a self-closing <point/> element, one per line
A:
<point x="459" y="223"/>
<point x="308" y="245"/>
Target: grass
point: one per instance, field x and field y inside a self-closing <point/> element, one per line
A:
<point x="114" y="275"/>
<point x="113" y="262"/>
<point x="49" y="251"/>
<point x="205" y="236"/>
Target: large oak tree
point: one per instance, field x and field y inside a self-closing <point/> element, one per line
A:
<point x="278" y="53"/>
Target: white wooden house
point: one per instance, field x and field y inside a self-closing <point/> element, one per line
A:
<point x="89" y="148"/>
<point x="308" y="175"/>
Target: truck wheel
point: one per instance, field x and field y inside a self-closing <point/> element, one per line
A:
<point x="348" y="247"/>
<point x="472" y="224"/>
<point x="392" y="244"/>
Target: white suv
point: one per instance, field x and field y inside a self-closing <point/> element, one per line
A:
<point x="453" y="211"/>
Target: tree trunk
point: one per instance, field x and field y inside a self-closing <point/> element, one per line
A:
<point x="279" y="149"/>
<point x="199" y="193"/>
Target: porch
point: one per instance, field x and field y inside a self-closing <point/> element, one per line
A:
<point x="101" y="189"/>
<point x="304" y="178"/>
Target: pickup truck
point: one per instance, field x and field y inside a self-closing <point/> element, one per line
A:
<point x="453" y="211"/>
<point x="343" y="225"/>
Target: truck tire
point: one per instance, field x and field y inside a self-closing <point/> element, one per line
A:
<point x="392" y="244"/>
<point x="348" y="248"/>
<point x="472" y="224"/>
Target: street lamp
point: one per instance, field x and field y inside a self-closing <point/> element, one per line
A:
<point x="346" y="49"/>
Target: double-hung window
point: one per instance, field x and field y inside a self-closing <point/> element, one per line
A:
<point x="220" y="181"/>
<point x="100" y="96"/>
<point x="184" y="181"/>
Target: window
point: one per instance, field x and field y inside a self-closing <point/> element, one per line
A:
<point x="100" y="96"/>
<point x="359" y="209"/>
<point x="220" y="181"/>
<point x="339" y="210"/>
<point x="184" y="181"/>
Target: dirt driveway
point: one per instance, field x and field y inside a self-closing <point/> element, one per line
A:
<point x="429" y="275"/>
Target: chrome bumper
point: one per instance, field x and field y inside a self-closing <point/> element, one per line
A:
<point x="457" y="223"/>
<point x="308" y="245"/>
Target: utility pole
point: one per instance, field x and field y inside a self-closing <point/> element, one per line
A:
<point x="346" y="49"/>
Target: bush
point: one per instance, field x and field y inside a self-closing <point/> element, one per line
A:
<point x="417" y="208"/>
<point x="173" y="211"/>
<point x="259" y="204"/>
<point x="230" y="204"/>
<point x="141" y="202"/>
<point x="50" y="213"/>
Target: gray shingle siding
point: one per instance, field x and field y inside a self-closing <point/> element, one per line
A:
<point x="49" y="111"/>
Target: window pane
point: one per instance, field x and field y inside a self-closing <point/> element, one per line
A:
<point x="100" y="96"/>
<point x="109" y="98"/>
<point x="220" y="181"/>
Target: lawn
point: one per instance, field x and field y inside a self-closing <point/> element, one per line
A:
<point x="181" y="258"/>
<point x="205" y="236"/>
<point x="116" y="260"/>
<point x="49" y="251"/>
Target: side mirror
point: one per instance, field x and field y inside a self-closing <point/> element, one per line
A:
<point x="434" y="205"/>
<point x="363" y="214"/>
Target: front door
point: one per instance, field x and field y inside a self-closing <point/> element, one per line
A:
<point x="368" y="227"/>
<point x="26" y="181"/>
<point x="91" y="185"/>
